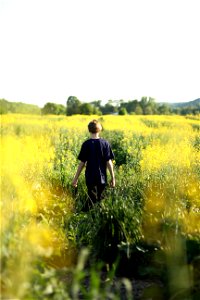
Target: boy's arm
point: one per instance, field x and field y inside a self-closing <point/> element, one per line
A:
<point x="78" y="172"/>
<point x="111" y="170"/>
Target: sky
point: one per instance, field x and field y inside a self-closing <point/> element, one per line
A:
<point x="99" y="50"/>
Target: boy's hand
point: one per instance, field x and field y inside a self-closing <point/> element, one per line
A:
<point x="112" y="183"/>
<point x="78" y="172"/>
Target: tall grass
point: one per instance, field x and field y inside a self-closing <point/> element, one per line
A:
<point x="149" y="224"/>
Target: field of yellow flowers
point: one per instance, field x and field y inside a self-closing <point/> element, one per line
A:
<point x="155" y="203"/>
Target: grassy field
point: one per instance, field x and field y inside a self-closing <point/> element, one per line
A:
<point x="150" y="223"/>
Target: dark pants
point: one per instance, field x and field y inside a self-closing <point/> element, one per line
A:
<point x="95" y="194"/>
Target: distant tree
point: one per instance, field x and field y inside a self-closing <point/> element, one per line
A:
<point x="73" y="106"/>
<point x="196" y="110"/>
<point x="96" y="107"/>
<point x="164" y="109"/>
<point x="96" y="103"/>
<point x="154" y="106"/>
<point x="189" y="110"/>
<point x="48" y="109"/>
<point x="143" y="103"/>
<point x="61" y="109"/>
<point x="176" y="111"/>
<point x="122" y="111"/>
<point x="145" y="106"/>
<point x="97" y="111"/>
<point x="122" y="104"/>
<point x="138" y="110"/>
<point x="86" y="109"/>
<point x="4" y="106"/>
<point x="108" y="108"/>
<point x="132" y="106"/>
<point x="148" y="110"/>
<point x="148" y="105"/>
<point x="53" y="109"/>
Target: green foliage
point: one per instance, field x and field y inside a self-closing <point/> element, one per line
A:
<point x="113" y="223"/>
<point x="138" y="110"/>
<point x="18" y="108"/>
<point x="119" y="148"/>
<point x="73" y="105"/>
<point x="109" y="108"/>
<point x="196" y="143"/>
<point x="146" y="106"/>
<point x="164" y="109"/>
<point x="66" y="150"/>
<point x="122" y="111"/>
<point x="48" y="283"/>
<point x="53" y="109"/>
<point x="86" y="109"/>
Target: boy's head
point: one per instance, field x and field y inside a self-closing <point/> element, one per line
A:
<point x="94" y="126"/>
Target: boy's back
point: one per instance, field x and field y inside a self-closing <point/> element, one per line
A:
<point x="96" y="152"/>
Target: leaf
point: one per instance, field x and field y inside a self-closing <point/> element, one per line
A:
<point x="48" y="290"/>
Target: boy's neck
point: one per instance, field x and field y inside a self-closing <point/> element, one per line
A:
<point x="94" y="135"/>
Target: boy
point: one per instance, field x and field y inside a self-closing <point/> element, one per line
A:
<point x="96" y="154"/>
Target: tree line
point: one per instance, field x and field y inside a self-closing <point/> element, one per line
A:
<point x="18" y="108"/>
<point x="145" y="106"/>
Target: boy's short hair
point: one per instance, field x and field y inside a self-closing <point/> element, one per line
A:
<point x="94" y="126"/>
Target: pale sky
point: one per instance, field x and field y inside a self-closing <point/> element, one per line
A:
<point x="99" y="50"/>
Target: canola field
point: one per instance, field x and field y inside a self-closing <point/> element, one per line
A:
<point x="156" y="198"/>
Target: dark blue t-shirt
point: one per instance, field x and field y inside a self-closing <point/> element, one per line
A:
<point x="95" y="152"/>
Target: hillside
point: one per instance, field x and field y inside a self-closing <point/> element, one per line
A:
<point x="194" y="103"/>
<point x="18" y="107"/>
